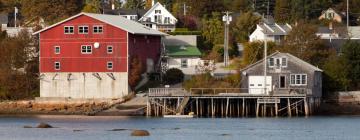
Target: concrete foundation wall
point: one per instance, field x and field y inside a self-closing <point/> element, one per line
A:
<point x="84" y="85"/>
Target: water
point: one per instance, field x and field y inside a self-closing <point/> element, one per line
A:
<point x="96" y="128"/>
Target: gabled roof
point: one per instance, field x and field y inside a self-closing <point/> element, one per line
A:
<point x="153" y="8"/>
<point x="275" y="29"/>
<point x="336" y="11"/>
<point x="303" y="63"/>
<point x="121" y="11"/>
<point x="130" y="26"/>
<point x="182" y="51"/>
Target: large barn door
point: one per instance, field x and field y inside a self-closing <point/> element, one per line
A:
<point x="256" y="84"/>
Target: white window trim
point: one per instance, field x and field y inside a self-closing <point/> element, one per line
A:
<point x="86" y="49"/>
<point x="83" y="29"/>
<point x="69" y="29"/>
<point x="102" y="29"/>
<point x="107" y="65"/>
<point x="55" y="49"/>
<point x="57" y="62"/>
<point x="112" y="49"/>
<point x="300" y="84"/>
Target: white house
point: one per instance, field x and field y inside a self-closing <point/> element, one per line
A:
<point x="157" y="17"/>
<point x="270" y="32"/>
<point x="181" y="53"/>
<point x="332" y="14"/>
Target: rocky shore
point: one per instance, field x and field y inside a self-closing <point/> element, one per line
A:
<point x="29" y="107"/>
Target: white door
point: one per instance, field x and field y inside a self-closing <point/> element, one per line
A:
<point x="256" y="84"/>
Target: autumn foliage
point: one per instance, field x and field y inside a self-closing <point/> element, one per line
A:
<point x="136" y="69"/>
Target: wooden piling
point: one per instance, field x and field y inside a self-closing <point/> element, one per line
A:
<point x="306" y="107"/>
<point x="243" y="107"/>
<point x="289" y="107"/>
<point x="197" y="106"/>
<point x="276" y="109"/>
<point x="227" y="106"/>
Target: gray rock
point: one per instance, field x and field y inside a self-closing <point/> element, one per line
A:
<point x="44" y="125"/>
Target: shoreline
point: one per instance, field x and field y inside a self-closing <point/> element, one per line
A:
<point x="101" y="108"/>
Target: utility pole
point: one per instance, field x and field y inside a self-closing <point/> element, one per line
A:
<point x="347" y="15"/>
<point x="265" y="64"/>
<point x="268" y="9"/>
<point x="227" y="19"/>
<point x="15" y="14"/>
<point x="184" y="8"/>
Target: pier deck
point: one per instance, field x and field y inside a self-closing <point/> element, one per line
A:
<point x="221" y="102"/>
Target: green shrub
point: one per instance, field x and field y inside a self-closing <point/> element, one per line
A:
<point x="174" y="76"/>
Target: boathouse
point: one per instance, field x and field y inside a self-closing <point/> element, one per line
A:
<point x="293" y="88"/>
<point x="88" y="55"/>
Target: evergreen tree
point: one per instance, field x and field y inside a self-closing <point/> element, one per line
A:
<point x="92" y="6"/>
<point x="282" y="11"/>
<point x="245" y="24"/>
<point x="50" y="11"/>
<point x="135" y="4"/>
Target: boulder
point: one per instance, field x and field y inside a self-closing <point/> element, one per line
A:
<point x="44" y="125"/>
<point x="26" y="126"/>
<point x="140" y="133"/>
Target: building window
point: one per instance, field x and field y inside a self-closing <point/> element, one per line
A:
<point x="184" y="63"/>
<point x="109" y="65"/>
<point x="57" y="65"/>
<point x="157" y="11"/>
<point x="284" y="62"/>
<point x="134" y="18"/>
<point x="57" y="49"/>
<point x="298" y="79"/>
<point x="98" y="29"/>
<point x="86" y="49"/>
<point x="83" y="29"/>
<point x="271" y="62"/>
<point x="158" y="18"/>
<point x="109" y="49"/>
<point x="68" y="29"/>
<point x="167" y="20"/>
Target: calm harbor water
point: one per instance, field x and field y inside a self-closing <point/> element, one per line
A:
<point x="96" y="128"/>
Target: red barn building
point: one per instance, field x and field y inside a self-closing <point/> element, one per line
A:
<point x="88" y="55"/>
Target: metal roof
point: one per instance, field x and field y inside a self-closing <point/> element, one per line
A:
<point x="121" y="11"/>
<point x="182" y="51"/>
<point x="275" y="29"/>
<point x="4" y="18"/>
<point x="130" y="26"/>
<point x="303" y="63"/>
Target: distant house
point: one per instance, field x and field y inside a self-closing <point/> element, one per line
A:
<point x="157" y="17"/>
<point x="89" y="55"/>
<point x="286" y="74"/>
<point x="336" y="37"/>
<point x="332" y="14"/>
<point x="181" y="52"/>
<point x="4" y="21"/>
<point x="270" y="32"/>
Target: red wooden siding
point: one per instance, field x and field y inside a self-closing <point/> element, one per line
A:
<point x="70" y="55"/>
<point x="145" y="47"/>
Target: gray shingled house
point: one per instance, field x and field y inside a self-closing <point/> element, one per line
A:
<point x="286" y="75"/>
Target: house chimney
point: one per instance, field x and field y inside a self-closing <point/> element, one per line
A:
<point x="152" y="2"/>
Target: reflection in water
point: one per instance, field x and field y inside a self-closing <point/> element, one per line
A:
<point x="96" y="127"/>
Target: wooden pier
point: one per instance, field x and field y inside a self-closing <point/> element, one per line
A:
<point x="221" y="102"/>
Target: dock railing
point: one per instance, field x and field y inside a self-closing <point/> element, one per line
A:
<point x="168" y="92"/>
<point x="226" y="91"/>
